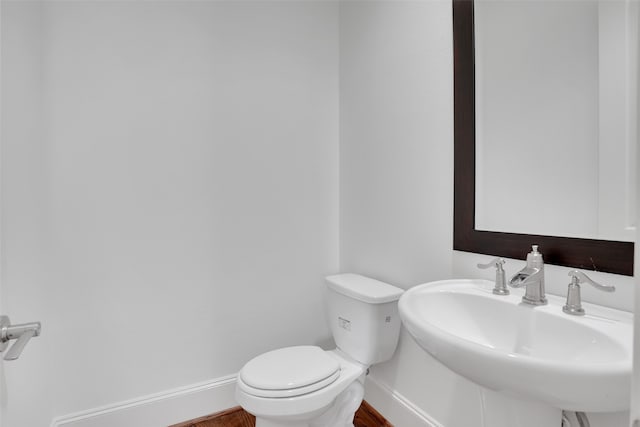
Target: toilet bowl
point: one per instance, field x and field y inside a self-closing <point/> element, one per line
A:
<point x="300" y="396"/>
<point x="306" y="386"/>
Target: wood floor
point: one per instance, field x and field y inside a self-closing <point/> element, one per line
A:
<point x="366" y="416"/>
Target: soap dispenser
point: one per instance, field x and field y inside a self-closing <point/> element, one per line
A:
<point x="534" y="258"/>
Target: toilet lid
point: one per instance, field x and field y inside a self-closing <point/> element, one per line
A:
<point x="289" y="371"/>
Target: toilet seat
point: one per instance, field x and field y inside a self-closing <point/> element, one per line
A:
<point x="289" y="372"/>
<point x="302" y="406"/>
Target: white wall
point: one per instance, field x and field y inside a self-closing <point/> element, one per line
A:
<point x="396" y="175"/>
<point x="396" y="139"/>
<point x="169" y="187"/>
<point x="396" y="166"/>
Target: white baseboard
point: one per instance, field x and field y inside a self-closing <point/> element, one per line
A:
<point x="160" y="409"/>
<point x="196" y="400"/>
<point x="392" y="405"/>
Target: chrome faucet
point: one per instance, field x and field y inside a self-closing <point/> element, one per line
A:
<point x="532" y="276"/>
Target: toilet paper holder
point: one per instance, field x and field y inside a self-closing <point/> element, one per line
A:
<point x="21" y="333"/>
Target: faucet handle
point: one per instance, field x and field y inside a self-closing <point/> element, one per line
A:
<point x="574" y="301"/>
<point x="578" y="277"/>
<point x="500" y="287"/>
<point x="497" y="262"/>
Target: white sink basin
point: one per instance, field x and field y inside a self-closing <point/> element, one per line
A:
<point x="578" y="363"/>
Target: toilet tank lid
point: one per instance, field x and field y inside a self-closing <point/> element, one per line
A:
<point x="364" y="288"/>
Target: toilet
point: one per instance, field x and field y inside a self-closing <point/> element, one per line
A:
<point x="306" y="386"/>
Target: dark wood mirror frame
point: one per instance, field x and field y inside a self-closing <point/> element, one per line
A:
<point x="587" y="254"/>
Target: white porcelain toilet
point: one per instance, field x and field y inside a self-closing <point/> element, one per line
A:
<point x="306" y="386"/>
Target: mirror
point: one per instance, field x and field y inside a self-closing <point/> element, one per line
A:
<point x="584" y="252"/>
<point x="555" y="117"/>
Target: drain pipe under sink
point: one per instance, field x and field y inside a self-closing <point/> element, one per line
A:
<point x="579" y="417"/>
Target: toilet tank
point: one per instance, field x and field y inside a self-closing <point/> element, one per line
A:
<point x="363" y="316"/>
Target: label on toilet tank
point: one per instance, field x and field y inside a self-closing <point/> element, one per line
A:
<point x="344" y="323"/>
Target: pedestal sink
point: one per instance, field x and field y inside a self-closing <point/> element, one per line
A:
<point x="577" y="363"/>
